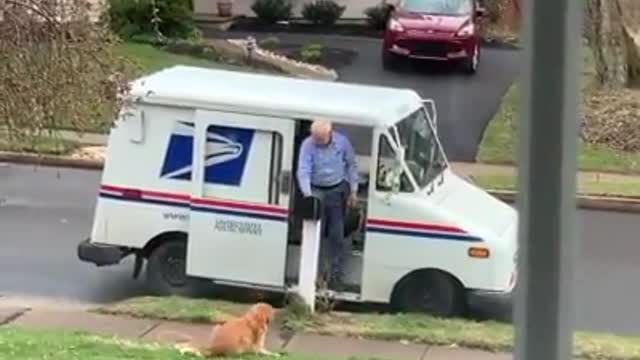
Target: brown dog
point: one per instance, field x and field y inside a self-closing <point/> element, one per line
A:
<point x="240" y="335"/>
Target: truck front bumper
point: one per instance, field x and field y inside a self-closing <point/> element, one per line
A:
<point x="100" y="254"/>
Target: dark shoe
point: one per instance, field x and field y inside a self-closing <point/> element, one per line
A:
<point x="337" y="286"/>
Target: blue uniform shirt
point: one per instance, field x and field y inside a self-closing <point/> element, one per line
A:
<point x="327" y="165"/>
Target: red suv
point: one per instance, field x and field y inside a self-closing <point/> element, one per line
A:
<point x="441" y="30"/>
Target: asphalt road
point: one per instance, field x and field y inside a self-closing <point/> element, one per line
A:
<point x="45" y="212"/>
<point x="465" y="103"/>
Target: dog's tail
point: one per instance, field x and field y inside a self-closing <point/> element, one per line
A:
<point x="182" y="342"/>
<point x="174" y="337"/>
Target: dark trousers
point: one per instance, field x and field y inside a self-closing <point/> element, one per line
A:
<point x="333" y="247"/>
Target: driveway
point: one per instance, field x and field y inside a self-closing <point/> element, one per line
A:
<point x="465" y="103"/>
<point x="45" y="212"/>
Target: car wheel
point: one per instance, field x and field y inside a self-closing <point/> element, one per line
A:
<point x="470" y="64"/>
<point x="431" y="292"/>
<point x="390" y="60"/>
<point x="166" y="270"/>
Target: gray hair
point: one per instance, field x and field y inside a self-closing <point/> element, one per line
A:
<point x="321" y="126"/>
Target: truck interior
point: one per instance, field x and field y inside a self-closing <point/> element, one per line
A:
<point x="355" y="220"/>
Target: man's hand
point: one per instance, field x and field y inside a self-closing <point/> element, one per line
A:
<point x="352" y="201"/>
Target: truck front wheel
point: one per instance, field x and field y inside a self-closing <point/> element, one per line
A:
<point x="166" y="270"/>
<point x="429" y="291"/>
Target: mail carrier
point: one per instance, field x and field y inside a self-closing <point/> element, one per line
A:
<point x="199" y="185"/>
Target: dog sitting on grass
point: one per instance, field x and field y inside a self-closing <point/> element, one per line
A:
<point x="244" y="334"/>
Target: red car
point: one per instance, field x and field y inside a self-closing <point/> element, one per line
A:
<point x="441" y="30"/>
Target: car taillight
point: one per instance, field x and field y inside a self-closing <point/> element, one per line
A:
<point x="395" y="26"/>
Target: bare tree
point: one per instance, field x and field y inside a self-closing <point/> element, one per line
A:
<point x="59" y="68"/>
<point x="614" y="36"/>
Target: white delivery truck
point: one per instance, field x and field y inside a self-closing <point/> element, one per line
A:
<point x="199" y="183"/>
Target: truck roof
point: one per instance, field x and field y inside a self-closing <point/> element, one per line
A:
<point x="276" y="95"/>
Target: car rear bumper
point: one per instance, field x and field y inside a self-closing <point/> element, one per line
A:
<point x="100" y="254"/>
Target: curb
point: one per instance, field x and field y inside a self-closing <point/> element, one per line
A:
<point x="514" y="165"/>
<point x="50" y="160"/>
<point x="601" y="203"/>
<point x="493" y="43"/>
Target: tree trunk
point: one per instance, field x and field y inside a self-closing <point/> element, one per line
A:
<point x="631" y="23"/>
<point x="614" y="38"/>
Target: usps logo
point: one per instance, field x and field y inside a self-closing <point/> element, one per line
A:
<point x="226" y="154"/>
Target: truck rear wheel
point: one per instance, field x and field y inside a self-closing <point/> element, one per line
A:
<point x="166" y="270"/>
<point x="430" y="291"/>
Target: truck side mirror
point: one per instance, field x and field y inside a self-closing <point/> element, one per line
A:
<point x="432" y="112"/>
<point x="393" y="181"/>
<point x="399" y="156"/>
<point x="395" y="184"/>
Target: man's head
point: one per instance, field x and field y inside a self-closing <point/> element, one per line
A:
<point x="321" y="131"/>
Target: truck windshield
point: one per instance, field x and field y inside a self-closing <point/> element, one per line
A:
<point x="423" y="154"/>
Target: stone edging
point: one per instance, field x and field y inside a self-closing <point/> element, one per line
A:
<point x="237" y="49"/>
<point x="603" y="203"/>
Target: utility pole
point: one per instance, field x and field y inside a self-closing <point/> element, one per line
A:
<point x="547" y="173"/>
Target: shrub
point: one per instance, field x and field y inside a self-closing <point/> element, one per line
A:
<point x="129" y="18"/>
<point x="323" y="12"/>
<point x="311" y="53"/>
<point x="377" y="16"/>
<point x="272" y="11"/>
<point x="269" y="43"/>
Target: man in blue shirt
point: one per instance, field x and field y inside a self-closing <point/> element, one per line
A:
<point x="327" y="169"/>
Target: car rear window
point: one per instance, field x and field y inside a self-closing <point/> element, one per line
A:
<point x="439" y="7"/>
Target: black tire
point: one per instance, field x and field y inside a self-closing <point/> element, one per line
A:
<point x="431" y="292"/>
<point x="470" y="65"/>
<point x="166" y="270"/>
<point x="390" y="61"/>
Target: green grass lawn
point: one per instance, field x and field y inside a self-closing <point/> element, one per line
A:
<point x="607" y="185"/>
<point x="500" y="140"/>
<point x="491" y="336"/>
<point x="25" y="344"/>
<point x="151" y="59"/>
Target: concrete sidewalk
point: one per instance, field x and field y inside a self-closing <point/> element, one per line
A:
<point x="173" y="332"/>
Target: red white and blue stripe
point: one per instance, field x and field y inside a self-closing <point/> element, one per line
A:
<point x="233" y="208"/>
<point x="217" y="206"/>
<point x="275" y="213"/>
<point x="423" y="230"/>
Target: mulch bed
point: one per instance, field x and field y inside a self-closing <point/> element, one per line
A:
<point x="332" y="58"/>
<point x="246" y="24"/>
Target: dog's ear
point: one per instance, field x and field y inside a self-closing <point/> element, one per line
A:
<point x="264" y="313"/>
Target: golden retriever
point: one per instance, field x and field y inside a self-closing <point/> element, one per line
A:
<point x="237" y="336"/>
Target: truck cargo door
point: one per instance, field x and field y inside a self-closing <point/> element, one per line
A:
<point x="238" y="218"/>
